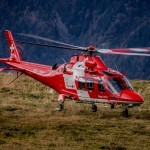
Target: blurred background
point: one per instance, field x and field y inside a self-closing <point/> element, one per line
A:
<point x="102" y="23"/>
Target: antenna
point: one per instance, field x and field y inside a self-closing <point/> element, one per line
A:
<point x="116" y="67"/>
<point x="64" y="60"/>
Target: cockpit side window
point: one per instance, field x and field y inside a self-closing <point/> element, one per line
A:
<point x="118" y="84"/>
<point x="90" y="84"/>
<point x="81" y="83"/>
<point x="101" y="86"/>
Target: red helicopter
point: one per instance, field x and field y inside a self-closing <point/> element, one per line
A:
<point x="85" y="78"/>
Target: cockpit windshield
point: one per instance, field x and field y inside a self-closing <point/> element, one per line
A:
<point x="117" y="84"/>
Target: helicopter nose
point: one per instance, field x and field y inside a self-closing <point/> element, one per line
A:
<point x="131" y="96"/>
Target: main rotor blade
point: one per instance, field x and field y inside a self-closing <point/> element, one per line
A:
<point x="46" y="45"/>
<point x="127" y="51"/>
<point x="49" y="40"/>
<point x="124" y="51"/>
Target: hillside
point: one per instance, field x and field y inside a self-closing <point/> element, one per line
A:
<point x="102" y="23"/>
<point x="28" y="121"/>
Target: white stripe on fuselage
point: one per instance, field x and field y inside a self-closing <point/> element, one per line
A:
<point x="83" y="94"/>
<point x="69" y="81"/>
<point x="85" y="99"/>
<point x="78" y="69"/>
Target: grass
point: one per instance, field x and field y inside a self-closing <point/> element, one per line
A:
<point x="27" y="121"/>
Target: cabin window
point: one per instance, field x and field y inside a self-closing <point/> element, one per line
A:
<point x="101" y="86"/>
<point x="90" y="84"/>
<point x="81" y="83"/>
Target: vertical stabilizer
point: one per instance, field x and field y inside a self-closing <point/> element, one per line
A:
<point x="14" y="53"/>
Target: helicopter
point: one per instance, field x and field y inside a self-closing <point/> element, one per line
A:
<point x="84" y="79"/>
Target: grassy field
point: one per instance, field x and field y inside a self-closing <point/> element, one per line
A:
<point x="27" y="121"/>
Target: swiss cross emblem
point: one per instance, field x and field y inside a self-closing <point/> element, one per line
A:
<point x="12" y="47"/>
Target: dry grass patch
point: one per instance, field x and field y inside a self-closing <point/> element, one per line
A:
<point x="27" y="121"/>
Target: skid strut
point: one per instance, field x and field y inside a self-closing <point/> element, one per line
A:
<point x="18" y="75"/>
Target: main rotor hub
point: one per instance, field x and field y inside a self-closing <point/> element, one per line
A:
<point x="91" y="48"/>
